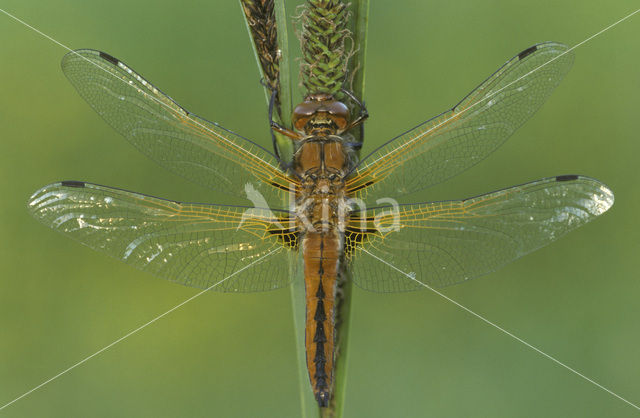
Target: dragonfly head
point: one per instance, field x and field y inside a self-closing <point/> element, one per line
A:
<point x="321" y="114"/>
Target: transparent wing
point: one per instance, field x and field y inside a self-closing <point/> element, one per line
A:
<point x="237" y="249"/>
<point x="461" y="137"/>
<point x="192" y="147"/>
<point x="443" y="243"/>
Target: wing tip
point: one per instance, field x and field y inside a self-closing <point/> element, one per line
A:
<point x="40" y="195"/>
<point x="601" y="196"/>
<point x="79" y="53"/>
<point x="87" y="55"/>
<point x="562" y="49"/>
<point x="604" y="200"/>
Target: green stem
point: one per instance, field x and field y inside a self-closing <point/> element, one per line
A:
<point x="358" y="24"/>
<point x="285" y="93"/>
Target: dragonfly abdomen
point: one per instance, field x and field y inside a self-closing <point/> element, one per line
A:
<point x="321" y="252"/>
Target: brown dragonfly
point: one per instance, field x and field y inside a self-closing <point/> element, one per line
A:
<point x="330" y="207"/>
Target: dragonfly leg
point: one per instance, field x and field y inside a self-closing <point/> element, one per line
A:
<point x="364" y="113"/>
<point x="277" y="127"/>
<point x="272" y="101"/>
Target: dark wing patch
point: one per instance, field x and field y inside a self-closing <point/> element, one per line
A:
<point x="113" y="60"/>
<point x="527" y="52"/>
<point x="73" y="183"/>
<point x="569" y="177"/>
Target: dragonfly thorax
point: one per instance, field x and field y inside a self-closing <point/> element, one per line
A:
<point x="321" y="203"/>
<point x="322" y="213"/>
<point x="322" y="182"/>
<point x="321" y="163"/>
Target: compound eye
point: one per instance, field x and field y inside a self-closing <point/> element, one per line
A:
<point x="338" y="109"/>
<point x="340" y="113"/>
<point x="302" y="113"/>
<point x="305" y="108"/>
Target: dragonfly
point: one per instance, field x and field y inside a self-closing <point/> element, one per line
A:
<point x="326" y="204"/>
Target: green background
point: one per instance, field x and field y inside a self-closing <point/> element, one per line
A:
<point x="412" y="355"/>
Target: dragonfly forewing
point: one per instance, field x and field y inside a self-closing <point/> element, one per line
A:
<point x="180" y="141"/>
<point x="459" y="138"/>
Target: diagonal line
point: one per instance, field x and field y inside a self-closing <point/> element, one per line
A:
<point x="418" y="137"/>
<point x="499" y="328"/>
<point x="137" y="329"/>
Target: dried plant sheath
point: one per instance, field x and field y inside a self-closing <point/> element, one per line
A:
<point x="261" y="20"/>
<point x="266" y="23"/>
<point x="260" y="15"/>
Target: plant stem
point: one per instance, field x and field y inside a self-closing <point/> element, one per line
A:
<point x="327" y="67"/>
<point x="358" y="25"/>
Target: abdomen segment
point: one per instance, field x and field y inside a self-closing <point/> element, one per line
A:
<point x="321" y="251"/>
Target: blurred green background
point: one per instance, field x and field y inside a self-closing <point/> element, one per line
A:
<point x="412" y="355"/>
